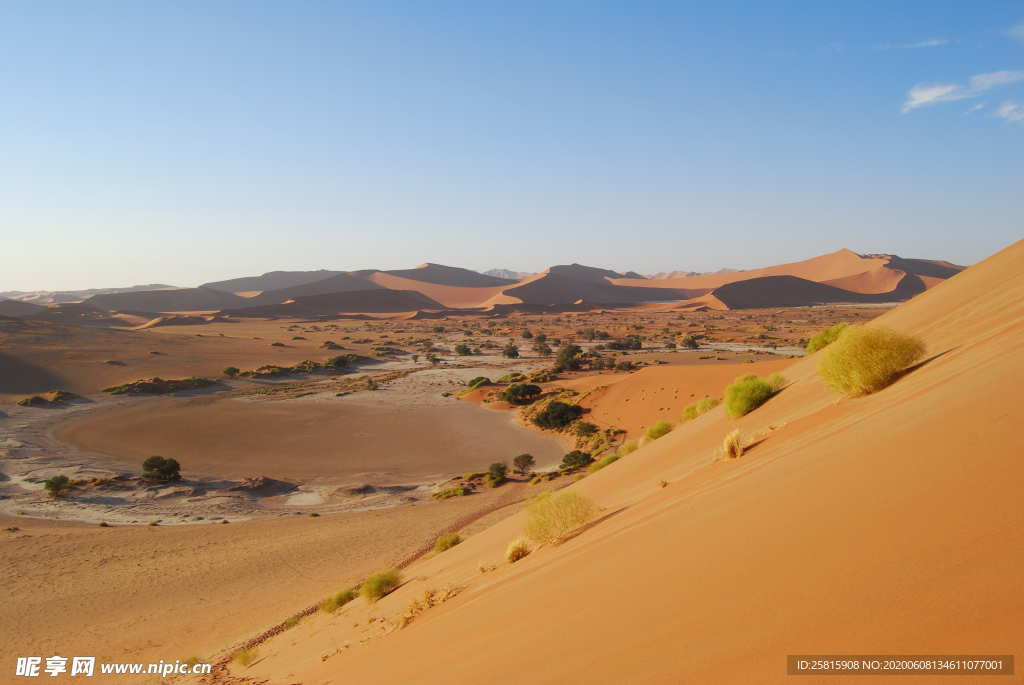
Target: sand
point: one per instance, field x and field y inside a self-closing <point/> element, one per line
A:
<point x="890" y="524"/>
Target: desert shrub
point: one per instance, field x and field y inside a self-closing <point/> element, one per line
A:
<point x="825" y="338"/>
<point x="439" y="329"/>
<point x="517" y="549"/>
<point x="463" y="350"/>
<point x="688" y="343"/>
<point x="670" y="345"/>
<point x="158" y="468"/>
<point x="732" y="446"/>
<point x="231" y="372"/>
<point x="523" y="463"/>
<point x="380" y="584"/>
<point x="629" y="342"/>
<point x="510" y="351"/>
<point x="576" y="460"/>
<point x="692" y="411"/>
<point x="585" y="429"/>
<point x="777" y="381"/>
<point x="519" y="392"/>
<point x="336" y="601"/>
<point x="511" y="377"/>
<point x="498" y="469"/>
<point x="458" y="491"/>
<point x="604" y="461"/>
<point x="446" y="542"/>
<point x="629" y="447"/>
<point x="477" y="382"/>
<point x="541" y="348"/>
<point x="568" y="358"/>
<point x="32" y="401"/>
<point x="57" y="485"/>
<point x="659" y="429"/>
<point x="290" y="623"/>
<point x="527" y="334"/>
<point x="865" y="359"/>
<point x="557" y="415"/>
<point x="745" y="395"/>
<point x="549" y="518"/>
<point x="244" y="657"/>
<point x="625" y="366"/>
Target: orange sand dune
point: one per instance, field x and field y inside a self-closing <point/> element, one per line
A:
<point x="890" y="524"/>
<point x="439" y="274"/>
<point x="447" y="295"/>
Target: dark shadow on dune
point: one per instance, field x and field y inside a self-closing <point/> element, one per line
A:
<point x="19" y="376"/>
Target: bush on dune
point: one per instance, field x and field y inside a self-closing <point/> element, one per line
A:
<point x="558" y="415"/>
<point x="336" y="601"/>
<point x="825" y="338"/>
<point x="517" y="549"/>
<point x="749" y="392"/>
<point x="659" y="429"/>
<point x="549" y="518"/>
<point x="380" y="584"/>
<point x="446" y="542"/>
<point x="865" y="359"/>
<point x="604" y="461"/>
<point x="629" y="447"/>
<point x="576" y="459"/>
<point x="458" y="491"/>
<point x="732" y="446"/>
<point x="692" y="411"/>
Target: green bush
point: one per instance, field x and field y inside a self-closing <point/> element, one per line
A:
<point x="57" y="485"/>
<point x="231" y="372"/>
<point x="777" y="381"/>
<point x="158" y="468"/>
<point x="659" y="429"/>
<point x="604" y="461"/>
<point x="32" y="401"/>
<point x="510" y="351"/>
<point x="557" y="415"/>
<point x="527" y="334"/>
<point x="688" y="343"/>
<point x="866" y="359"/>
<point x="244" y="657"/>
<point x="380" y="584"/>
<point x="825" y="338"/>
<point x="692" y="411"/>
<point x="549" y="518"/>
<point x="463" y="350"/>
<point x="477" y="382"/>
<point x="519" y="392"/>
<point x="336" y="601"/>
<point x="576" y="460"/>
<point x="585" y="429"/>
<point x="511" y="377"/>
<point x="745" y="395"/>
<point x="458" y="491"/>
<point x="523" y="463"/>
<point x="446" y="542"/>
<point x="629" y="342"/>
<point x="496" y="474"/>
<point x="568" y="358"/>
<point x="629" y="447"/>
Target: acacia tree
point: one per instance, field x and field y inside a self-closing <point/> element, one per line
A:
<point x="57" y="485"/>
<point x="158" y="468"/>
<point x="523" y="463"/>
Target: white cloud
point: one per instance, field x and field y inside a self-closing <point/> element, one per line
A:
<point x="1017" y="32"/>
<point x="930" y="43"/>
<point x="975" y="108"/>
<point x="922" y="94"/>
<point x="1010" y="111"/>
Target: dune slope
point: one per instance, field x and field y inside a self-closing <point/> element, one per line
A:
<point x="890" y="524"/>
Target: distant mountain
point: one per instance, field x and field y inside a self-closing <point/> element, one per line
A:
<point x="508" y="274"/>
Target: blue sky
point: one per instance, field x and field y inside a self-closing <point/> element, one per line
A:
<point x="182" y="143"/>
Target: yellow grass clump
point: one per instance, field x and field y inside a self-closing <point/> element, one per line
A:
<point x="865" y="359"/>
<point x="825" y="338"/>
<point x="549" y="518"/>
<point x="380" y="584"/>
<point x="244" y="657"/>
<point x="336" y="601"/>
<point x="659" y="429"/>
<point x="517" y="549"/>
<point x="695" y="409"/>
<point x="732" y="446"/>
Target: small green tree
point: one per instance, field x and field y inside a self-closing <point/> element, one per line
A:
<point x="439" y="329"/>
<point x="524" y="463"/>
<point x="58" y="485"/>
<point x="415" y="358"/>
<point x="463" y="350"/>
<point x="558" y="415"/>
<point x="158" y="468"/>
<point x="510" y="351"/>
<point x="568" y="358"/>
<point x="434" y="360"/>
<point x="518" y="392"/>
<point x="576" y="460"/>
<point x="231" y="372"/>
<point x="527" y="334"/>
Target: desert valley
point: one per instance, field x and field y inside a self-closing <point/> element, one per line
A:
<point x="343" y="423"/>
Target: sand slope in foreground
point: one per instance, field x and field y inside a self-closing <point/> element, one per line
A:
<point x="891" y="524"/>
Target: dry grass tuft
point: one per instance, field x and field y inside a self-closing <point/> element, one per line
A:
<point x="692" y="411"/>
<point x="865" y="359"/>
<point x="336" y="601"/>
<point x="549" y="518"/>
<point x="244" y="657"/>
<point x="380" y="584"/>
<point x="732" y="446"/>
<point x="517" y="549"/>
<point x="662" y="483"/>
<point x="825" y="338"/>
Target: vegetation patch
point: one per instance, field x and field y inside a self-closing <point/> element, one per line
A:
<point x="825" y="338"/>
<point x="659" y="429"/>
<point x="523" y="463"/>
<point x="732" y="446"/>
<point x="749" y="392"/>
<point x="517" y="393"/>
<point x="864" y="359"/>
<point x="692" y="411"/>
<point x="549" y="518"/>
<point x="446" y="542"/>
<point x="458" y="491"/>
<point x="58" y="485"/>
<point x="159" y="468"/>
<point x="517" y="549"/>
<point x="380" y="584"/>
<point x="603" y="462"/>
<point x="576" y="459"/>
<point x="335" y="601"/>
<point x="557" y="415"/>
<point x="513" y="377"/>
<point x="156" y="386"/>
<point x="244" y="657"/>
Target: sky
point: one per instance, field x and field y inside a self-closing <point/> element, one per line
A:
<point x="182" y="143"/>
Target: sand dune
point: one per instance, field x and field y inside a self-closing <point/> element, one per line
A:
<point x="338" y="283"/>
<point x="362" y="301"/>
<point x="447" y="295"/>
<point x="18" y="308"/>
<point x="272" y="280"/>
<point x="439" y="274"/>
<point x="890" y="524"/>
<point x="790" y="291"/>
<point x="182" y="300"/>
